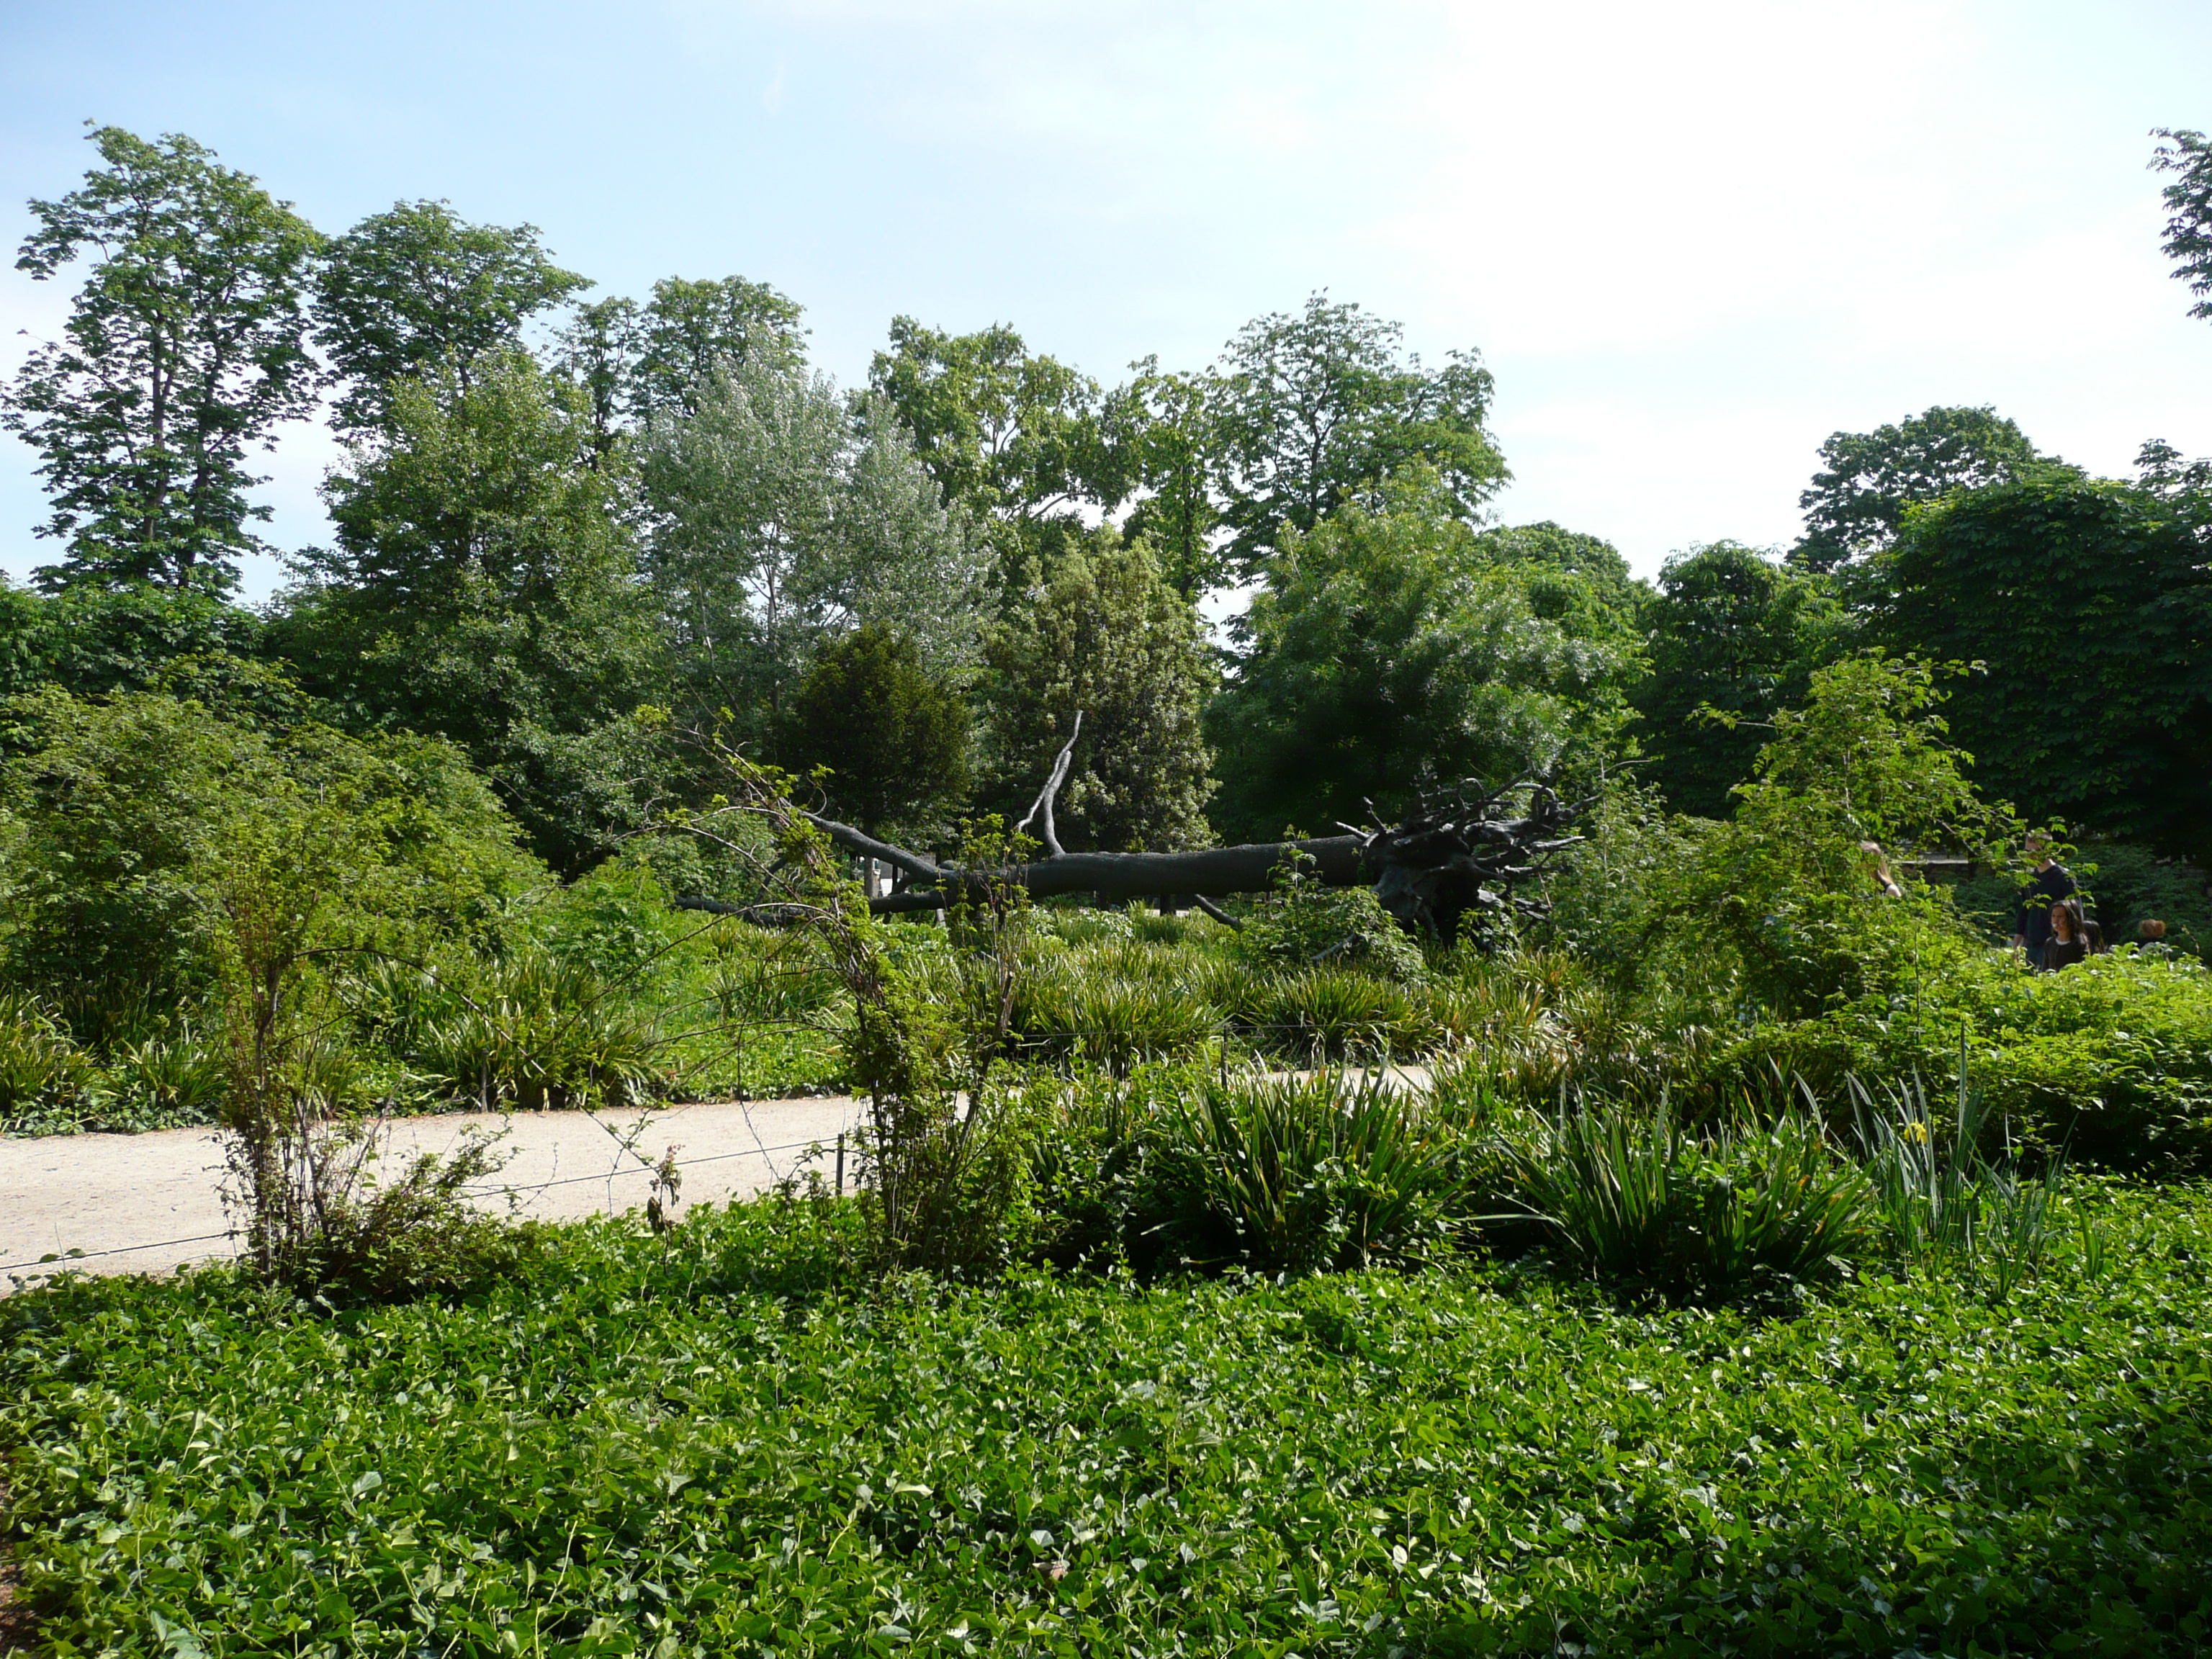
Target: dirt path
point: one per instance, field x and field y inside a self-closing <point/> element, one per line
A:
<point x="146" y="1203"/>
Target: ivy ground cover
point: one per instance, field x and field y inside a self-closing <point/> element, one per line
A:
<point x="715" y="1441"/>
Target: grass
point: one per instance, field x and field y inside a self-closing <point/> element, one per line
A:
<point x="712" y="1442"/>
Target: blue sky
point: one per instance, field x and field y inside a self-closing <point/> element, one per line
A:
<point x="1690" y="241"/>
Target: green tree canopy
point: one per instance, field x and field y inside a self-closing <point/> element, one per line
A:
<point x="894" y="737"/>
<point x="413" y="289"/>
<point x="1599" y="574"/>
<point x="2188" y="157"/>
<point x="639" y="365"/>
<point x="2090" y="604"/>
<point x="1855" y="507"/>
<point x="1314" y="410"/>
<point x="1732" y="628"/>
<point x="1102" y="632"/>
<point x="1396" y="652"/>
<point x="483" y="588"/>
<point x="185" y="348"/>
<point x="1015" y="437"/>
<point x="1170" y="419"/>
<point x="782" y="514"/>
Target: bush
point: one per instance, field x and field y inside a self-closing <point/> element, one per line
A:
<point x="1303" y="923"/>
<point x="1288" y="1174"/>
<point x="2109" y="1059"/>
<point x="126" y="813"/>
<point x="1329" y="1013"/>
<point x="1634" y="1200"/>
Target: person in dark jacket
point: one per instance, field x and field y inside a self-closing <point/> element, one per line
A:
<point x="2050" y="883"/>
<point x="2070" y="936"/>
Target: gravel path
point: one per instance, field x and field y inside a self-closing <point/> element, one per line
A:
<point x="149" y="1202"/>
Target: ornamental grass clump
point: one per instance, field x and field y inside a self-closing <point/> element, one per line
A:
<point x="1634" y="1200"/>
<point x="1944" y="1202"/>
<point x="1303" y="1175"/>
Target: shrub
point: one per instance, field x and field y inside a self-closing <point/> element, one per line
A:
<point x="1634" y="1200"/>
<point x="1288" y="1174"/>
<point x="527" y="1031"/>
<point x="127" y="812"/>
<point x="2109" y="1059"/>
<point x="1302" y="923"/>
<point x="1332" y="1013"/>
<point x="44" y="1076"/>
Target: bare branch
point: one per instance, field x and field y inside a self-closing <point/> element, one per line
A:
<point x="1045" y="796"/>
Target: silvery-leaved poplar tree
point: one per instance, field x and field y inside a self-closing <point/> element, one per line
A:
<point x="782" y="514"/>
<point x="184" y="348"/>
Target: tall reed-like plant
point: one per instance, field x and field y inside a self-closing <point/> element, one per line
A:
<point x="1632" y="1197"/>
<point x="1291" y="1175"/>
<point x="1944" y="1201"/>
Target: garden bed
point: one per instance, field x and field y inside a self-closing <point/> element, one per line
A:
<point x="721" y="1441"/>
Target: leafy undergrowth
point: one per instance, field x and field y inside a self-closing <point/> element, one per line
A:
<point x="710" y="1443"/>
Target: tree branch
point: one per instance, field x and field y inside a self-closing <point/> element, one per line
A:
<point x="1045" y="796"/>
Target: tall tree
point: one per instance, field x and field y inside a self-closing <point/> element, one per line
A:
<point x="2188" y="157"/>
<point x="1597" y="570"/>
<point x="1018" y="438"/>
<point x="1855" y="507"/>
<point x="483" y="588"/>
<point x="1104" y="633"/>
<point x="1320" y="408"/>
<point x="183" y="348"/>
<point x="893" y="736"/>
<point x="651" y="363"/>
<point x="688" y="329"/>
<point x="1732" y="630"/>
<point x="2089" y="605"/>
<point x="1392" y="651"/>
<point x="782" y="514"/>
<point x="1171" y="420"/>
<point x="417" y="287"/>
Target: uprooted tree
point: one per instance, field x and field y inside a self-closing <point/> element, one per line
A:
<point x="1466" y="851"/>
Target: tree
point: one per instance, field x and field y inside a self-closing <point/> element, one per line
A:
<point x="1857" y="506"/>
<point x="1018" y="439"/>
<point x="688" y="329"/>
<point x="1171" y="421"/>
<point x="1102" y="632"/>
<point x="418" y="287"/>
<point x="894" y="737"/>
<point x="1318" y="410"/>
<point x="651" y="363"/>
<point x="2089" y="604"/>
<point x="1789" y="882"/>
<point x="1591" y="568"/>
<point x="781" y="515"/>
<point x="1731" y="630"/>
<point x="2188" y="157"/>
<point x="185" y="348"/>
<point x="483" y="588"/>
<point x="1393" y="653"/>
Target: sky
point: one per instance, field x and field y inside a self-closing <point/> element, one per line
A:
<point x="1690" y="240"/>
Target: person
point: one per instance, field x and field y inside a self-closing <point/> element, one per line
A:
<point x="2051" y="882"/>
<point x="2070" y="936"/>
<point x="2150" y="931"/>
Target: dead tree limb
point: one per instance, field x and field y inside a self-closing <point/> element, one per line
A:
<point x="1050" y="835"/>
<point x="1469" y="853"/>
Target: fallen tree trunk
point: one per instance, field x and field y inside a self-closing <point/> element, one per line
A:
<point x="1451" y="857"/>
